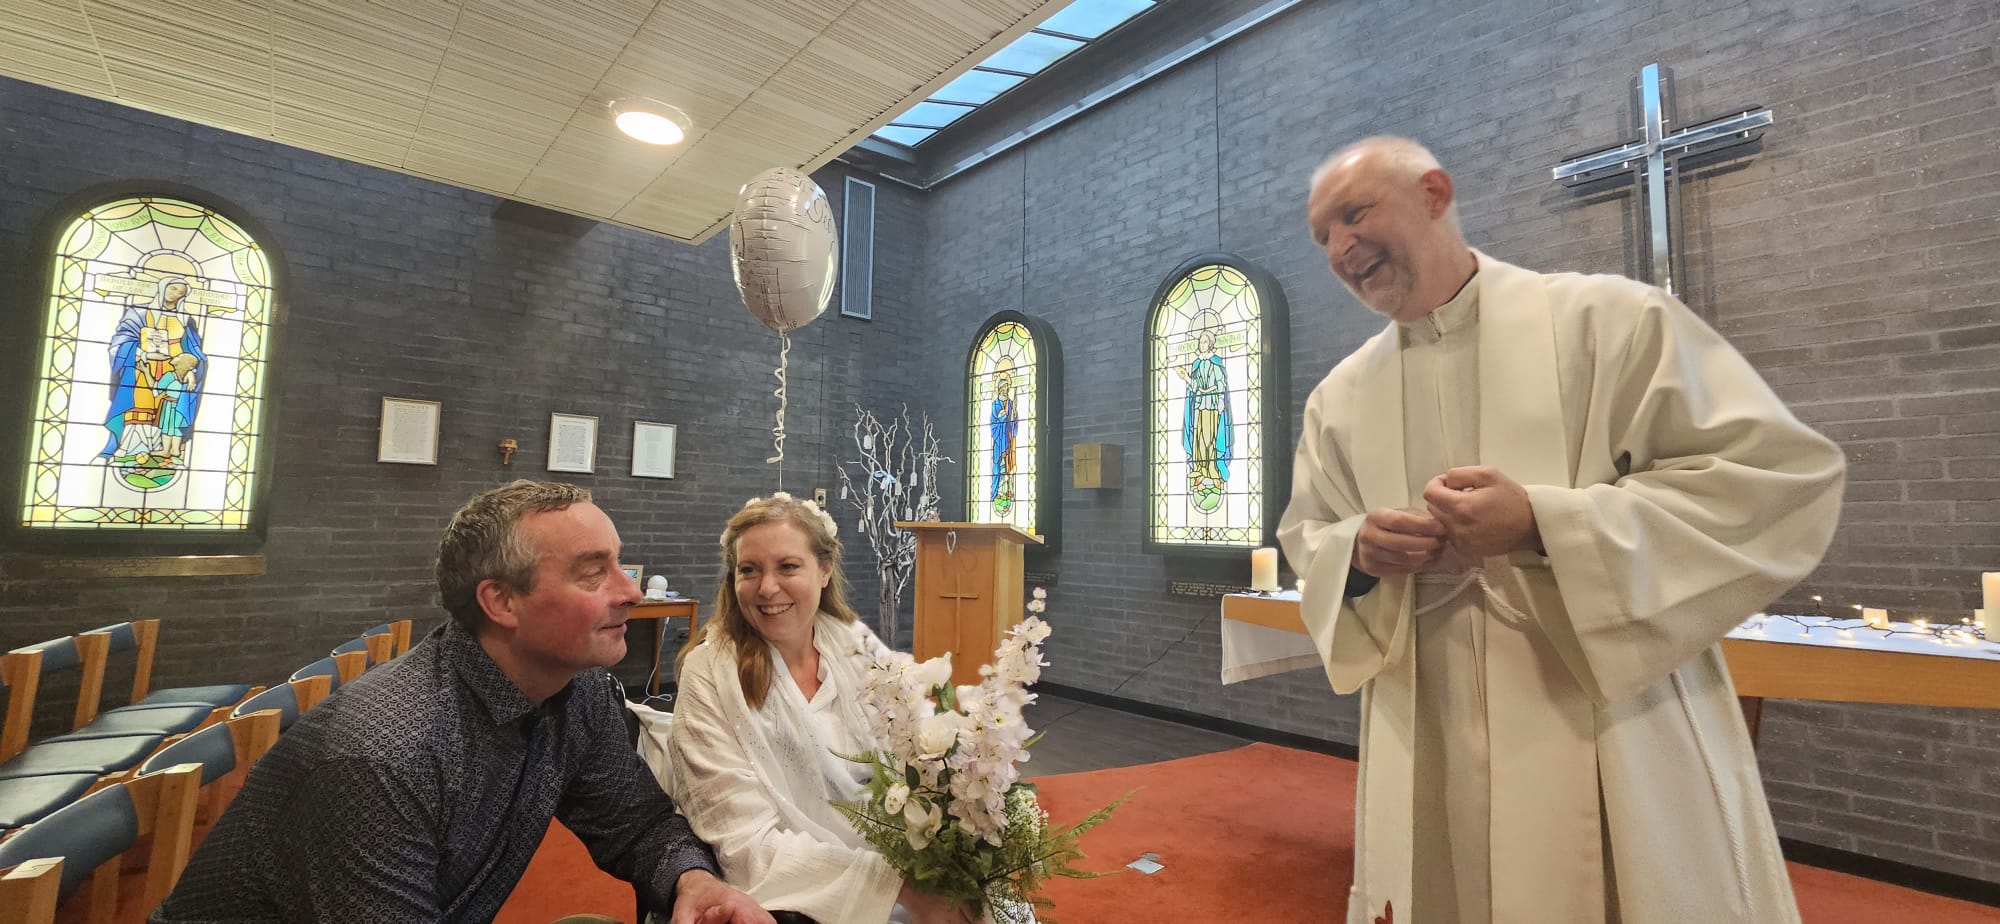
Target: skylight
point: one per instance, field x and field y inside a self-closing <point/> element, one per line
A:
<point x="1071" y="28"/>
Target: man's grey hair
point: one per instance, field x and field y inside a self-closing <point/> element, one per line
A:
<point x="1405" y="157"/>
<point x="484" y="542"/>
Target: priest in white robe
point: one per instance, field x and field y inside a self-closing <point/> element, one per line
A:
<point x="1526" y="513"/>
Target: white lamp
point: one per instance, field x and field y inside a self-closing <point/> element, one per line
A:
<point x="656" y="587"/>
<point x="649" y="120"/>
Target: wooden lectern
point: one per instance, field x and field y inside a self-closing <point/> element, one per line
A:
<point x="968" y="591"/>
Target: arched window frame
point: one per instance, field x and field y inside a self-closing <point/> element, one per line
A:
<point x="1047" y="405"/>
<point x="28" y="323"/>
<point x="1274" y="385"/>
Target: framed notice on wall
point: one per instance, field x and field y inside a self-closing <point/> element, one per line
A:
<point x="653" y="449"/>
<point x="572" y="443"/>
<point x="409" y="431"/>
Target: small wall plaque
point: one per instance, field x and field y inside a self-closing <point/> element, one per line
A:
<point x="1097" y="465"/>
<point x="1203" y="589"/>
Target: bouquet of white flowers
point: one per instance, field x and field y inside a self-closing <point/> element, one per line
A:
<point x="947" y="806"/>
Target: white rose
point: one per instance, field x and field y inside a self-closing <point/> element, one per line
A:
<point x="921" y="821"/>
<point x="895" y="798"/>
<point x="935" y="672"/>
<point x="936" y="735"/>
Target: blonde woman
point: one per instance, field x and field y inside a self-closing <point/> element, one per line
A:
<point x="768" y="699"/>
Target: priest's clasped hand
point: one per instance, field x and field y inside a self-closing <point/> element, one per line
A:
<point x="1393" y="542"/>
<point x="1483" y="512"/>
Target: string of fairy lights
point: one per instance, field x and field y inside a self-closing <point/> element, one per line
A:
<point x="1871" y="623"/>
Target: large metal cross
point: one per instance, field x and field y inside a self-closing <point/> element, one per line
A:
<point x="1658" y="152"/>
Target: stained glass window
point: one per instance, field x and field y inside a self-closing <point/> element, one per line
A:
<point x="1011" y="421"/>
<point x="1211" y="433"/>
<point x="150" y="390"/>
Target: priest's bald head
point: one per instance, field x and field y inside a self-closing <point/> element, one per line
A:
<point x="1383" y="210"/>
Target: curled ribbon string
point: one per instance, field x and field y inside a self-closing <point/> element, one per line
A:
<point x="778" y="432"/>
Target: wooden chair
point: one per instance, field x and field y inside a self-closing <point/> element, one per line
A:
<point x="27" y="798"/>
<point x="46" y="863"/>
<point x="291" y="699"/>
<point x="141" y="637"/>
<point x="339" y="669"/>
<point x="22" y="669"/>
<point x="88" y="654"/>
<point x="224" y="753"/>
<point x="399" y="636"/>
<point x="109" y="752"/>
<point x="378" y="648"/>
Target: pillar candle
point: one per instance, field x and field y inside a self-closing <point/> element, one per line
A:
<point x="1875" y="618"/>
<point x="1990" y="583"/>
<point x="1979" y="618"/>
<point x="1264" y="569"/>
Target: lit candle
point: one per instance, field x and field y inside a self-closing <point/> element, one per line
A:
<point x="1990" y="583"/>
<point x="1264" y="569"/>
<point x="1875" y="618"/>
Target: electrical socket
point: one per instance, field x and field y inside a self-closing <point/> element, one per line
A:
<point x="819" y="496"/>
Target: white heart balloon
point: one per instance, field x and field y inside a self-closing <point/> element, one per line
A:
<point x="783" y="248"/>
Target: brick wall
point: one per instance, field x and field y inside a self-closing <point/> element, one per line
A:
<point x="398" y="286"/>
<point x="1855" y="260"/>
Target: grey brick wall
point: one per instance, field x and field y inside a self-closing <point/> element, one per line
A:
<point x="1855" y="261"/>
<point x="404" y="287"/>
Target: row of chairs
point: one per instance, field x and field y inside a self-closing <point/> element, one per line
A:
<point x="36" y="778"/>
<point x="76" y="842"/>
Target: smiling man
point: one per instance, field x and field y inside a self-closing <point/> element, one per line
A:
<point x="419" y="792"/>
<point x="1526" y="512"/>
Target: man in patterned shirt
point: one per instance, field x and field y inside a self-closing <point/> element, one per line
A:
<point x="419" y="792"/>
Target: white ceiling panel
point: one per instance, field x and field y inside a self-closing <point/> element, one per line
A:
<point x="512" y="96"/>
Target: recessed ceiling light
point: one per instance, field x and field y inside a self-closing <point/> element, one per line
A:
<point x="650" y="121"/>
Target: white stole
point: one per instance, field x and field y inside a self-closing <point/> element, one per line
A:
<point x="1521" y="433"/>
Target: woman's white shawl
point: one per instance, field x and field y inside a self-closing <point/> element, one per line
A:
<point x="755" y="785"/>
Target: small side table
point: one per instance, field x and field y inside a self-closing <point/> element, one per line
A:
<point x="663" y="610"/>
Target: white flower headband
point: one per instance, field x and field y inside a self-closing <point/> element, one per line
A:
<point x="832" y="528"/>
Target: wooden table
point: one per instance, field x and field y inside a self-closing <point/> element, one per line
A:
<point x="1779" y="660"/>
<point x="672" y="608"/>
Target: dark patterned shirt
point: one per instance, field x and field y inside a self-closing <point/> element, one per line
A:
<point x="420" y="791"/>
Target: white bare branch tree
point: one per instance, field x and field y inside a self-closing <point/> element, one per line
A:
<point x="897" y="480"/>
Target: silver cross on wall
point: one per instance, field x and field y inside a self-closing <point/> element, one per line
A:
<point x="1654" y="160"/>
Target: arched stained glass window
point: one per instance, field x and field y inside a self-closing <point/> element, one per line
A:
<point x="149" y="396"/>
<point x="1216" y="466"/>
<point x="1013" y="426"/>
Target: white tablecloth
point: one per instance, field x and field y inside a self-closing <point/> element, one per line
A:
<point x="1250" y="651"/>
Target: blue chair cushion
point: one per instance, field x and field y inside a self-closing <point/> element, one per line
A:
<point x="162" y="720"/>
<point x="221" y="694"/>
<point x="83" y="755"/>
<point x="281" y="697"/>
<point x="212" y="747"/>
<point x="86" y="833"/>
<point x="323" y="667"/>
<point x="30" y="798"/>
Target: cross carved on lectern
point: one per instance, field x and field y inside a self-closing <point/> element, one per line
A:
<point x="957" y="596"/>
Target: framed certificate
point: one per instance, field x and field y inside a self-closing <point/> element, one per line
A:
<point x="409" y="431"/>
<point x="572" y="443"/>
<point x="653" y="449"/>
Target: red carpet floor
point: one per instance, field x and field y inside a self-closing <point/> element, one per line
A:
<point x="1258" y="834"/>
